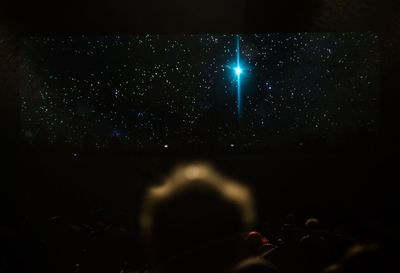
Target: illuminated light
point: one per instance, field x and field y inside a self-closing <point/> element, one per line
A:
<point x="238" y="71"/>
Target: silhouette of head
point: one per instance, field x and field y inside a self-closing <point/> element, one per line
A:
<point x="254" y="265"/>
<point x="195" y="220"/>
<point x="253" y="242"/>
<point x="334" y="268"/>
<point x="290" y="219"/>
<point x="312" y="224"/>
<point x="366" y="258"/>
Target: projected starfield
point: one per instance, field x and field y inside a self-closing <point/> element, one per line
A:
<point x="233" y="90"/>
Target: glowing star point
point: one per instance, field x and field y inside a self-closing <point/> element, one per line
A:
<point x="238" y="70"/>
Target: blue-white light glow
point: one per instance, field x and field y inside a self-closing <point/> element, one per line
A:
<point x="238" y="71"/>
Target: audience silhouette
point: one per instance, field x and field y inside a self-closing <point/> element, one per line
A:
<point x="195" y="221"/>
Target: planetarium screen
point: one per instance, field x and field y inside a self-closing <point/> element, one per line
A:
<point x="233" y="90"/>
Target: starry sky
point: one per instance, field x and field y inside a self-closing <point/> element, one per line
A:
<point x="172" y="90"/>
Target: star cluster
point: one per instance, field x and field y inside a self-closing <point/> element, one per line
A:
<point x="169" y="90"/>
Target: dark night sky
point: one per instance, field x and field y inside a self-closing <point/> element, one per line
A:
<point x="169" y="90"/>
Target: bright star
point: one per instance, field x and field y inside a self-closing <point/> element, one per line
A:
<point x="238" y="70"/>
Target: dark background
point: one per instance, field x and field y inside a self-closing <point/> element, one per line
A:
<point x="46" y="195"/>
